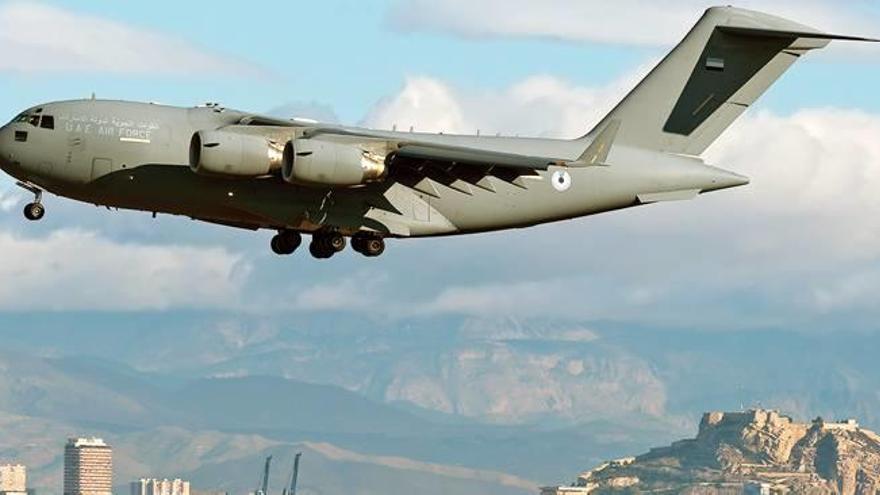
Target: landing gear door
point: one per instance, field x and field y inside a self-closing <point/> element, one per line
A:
<point x="101" y="167"/>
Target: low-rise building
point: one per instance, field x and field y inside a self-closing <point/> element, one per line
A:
<point x="567" y="490"/>
<point x="757" y="488"/>
<point x="160" y="487"/>
<point x="13" y="479"/>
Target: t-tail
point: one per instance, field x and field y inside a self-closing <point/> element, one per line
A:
<point x="726" y="62"/>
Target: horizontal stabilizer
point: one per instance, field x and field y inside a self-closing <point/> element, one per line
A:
<point x="774" y="33"/>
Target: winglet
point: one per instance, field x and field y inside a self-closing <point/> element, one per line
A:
<point x="597" y="152"/>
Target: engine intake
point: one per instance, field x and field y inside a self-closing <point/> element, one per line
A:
<point x="323" y="163"/>
<point x="237" y="154"/>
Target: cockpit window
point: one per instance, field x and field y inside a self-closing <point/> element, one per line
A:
<point x="32" y="117"/>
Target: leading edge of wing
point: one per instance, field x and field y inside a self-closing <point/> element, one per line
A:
<point x="421" y="150"/>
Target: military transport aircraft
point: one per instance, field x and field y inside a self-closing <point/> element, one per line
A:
<point x="296" y="176"/>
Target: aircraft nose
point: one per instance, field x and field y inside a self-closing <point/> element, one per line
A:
<point x="5" y="141"/>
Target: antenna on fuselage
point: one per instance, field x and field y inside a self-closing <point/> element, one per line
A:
<point x="93" y="96"/>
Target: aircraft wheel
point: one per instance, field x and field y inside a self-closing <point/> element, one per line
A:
<point x="368" y="245"/>
<point x="374" y="247"/>
<point x="335" y="241"/>
<point x="34" y="211"/>
<point x="357" y="243"/>
<point x="321" y="250"/>
<point x="286" y="243"/>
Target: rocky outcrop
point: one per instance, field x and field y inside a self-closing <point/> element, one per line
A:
<point x="757" y="451"/>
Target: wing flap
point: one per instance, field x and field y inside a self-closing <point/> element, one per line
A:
<point x="469" y="156"/>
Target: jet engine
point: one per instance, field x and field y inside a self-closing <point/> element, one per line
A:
<point x="323" y="163"/>
<point x="237" y="154"/>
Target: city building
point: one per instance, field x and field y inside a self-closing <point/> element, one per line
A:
<point x="160" y="487"/>
<point x="567" y="490"/>
<point x="758" y="488"/>
<point x="13" y="479"/>
<point x="88" y="467"/>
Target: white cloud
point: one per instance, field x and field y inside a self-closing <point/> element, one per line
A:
<point x="636" y="22"/>
<point x="424" y="100"/>
<point x="36" y="37"/>
<point x="9" y="200"/>
<point x="538" y="106"/>
<point x="803" y="239"/>
<point x="543" y="298"/>
<point x="77" y="270"/>
<point x="357" y="292"/>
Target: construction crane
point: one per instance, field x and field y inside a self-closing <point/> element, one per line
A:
<point x="263" y="488"/>
<point x="291" y="490"/>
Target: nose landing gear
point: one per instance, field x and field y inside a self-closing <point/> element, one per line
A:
<point x="33" y="211"/>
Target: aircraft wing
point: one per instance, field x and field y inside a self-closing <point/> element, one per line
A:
<point x="429" y="152"/>
<point x="419" y="163"/>
<point x="414" y="149"/>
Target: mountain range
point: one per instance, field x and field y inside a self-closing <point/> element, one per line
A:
<point x="530" y="401"/>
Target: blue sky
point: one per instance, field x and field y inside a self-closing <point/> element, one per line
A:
<point x="795" y="247"/>
<point x="338" y="52"/>
<point x="349" y="54"/>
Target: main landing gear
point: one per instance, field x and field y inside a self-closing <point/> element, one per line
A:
<point x="368" y="245"/>
<point x="325" y="244"/>
<point x="33" y="211"/>
<point x="286" y="242"/>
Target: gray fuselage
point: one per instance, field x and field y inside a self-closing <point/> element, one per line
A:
<point x="135" y="156"/>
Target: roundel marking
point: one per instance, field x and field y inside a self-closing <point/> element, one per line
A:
<point x="561" y="180"/>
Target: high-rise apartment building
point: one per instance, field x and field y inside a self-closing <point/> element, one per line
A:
<point x="160" y="487"/>
<point x="88" y="467"/>
<point x="13" y="480"/>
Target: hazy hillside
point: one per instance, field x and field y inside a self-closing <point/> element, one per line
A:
<point x="733" y="450"/>
<point x="507" y="372"/>
<point x="214" y="460"/>
<point x="150" y="417"/>
<point x="537" y="400"/>
<point x="271" y="404"/>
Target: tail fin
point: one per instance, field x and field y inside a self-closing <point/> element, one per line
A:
<point x="726" y="62"/>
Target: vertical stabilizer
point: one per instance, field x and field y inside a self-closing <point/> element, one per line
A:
<point x="726" y="62"/>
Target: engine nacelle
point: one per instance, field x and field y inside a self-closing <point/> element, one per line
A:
<point x="237" y="154"/>
<point x="324" y="163"/>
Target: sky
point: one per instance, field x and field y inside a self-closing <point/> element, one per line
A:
<point x="798" y="249"/>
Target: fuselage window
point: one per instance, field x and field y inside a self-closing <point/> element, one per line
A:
<point x="34" y="120"/>
<point x="48" y="122"/>
<point x="21" y="136"/>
